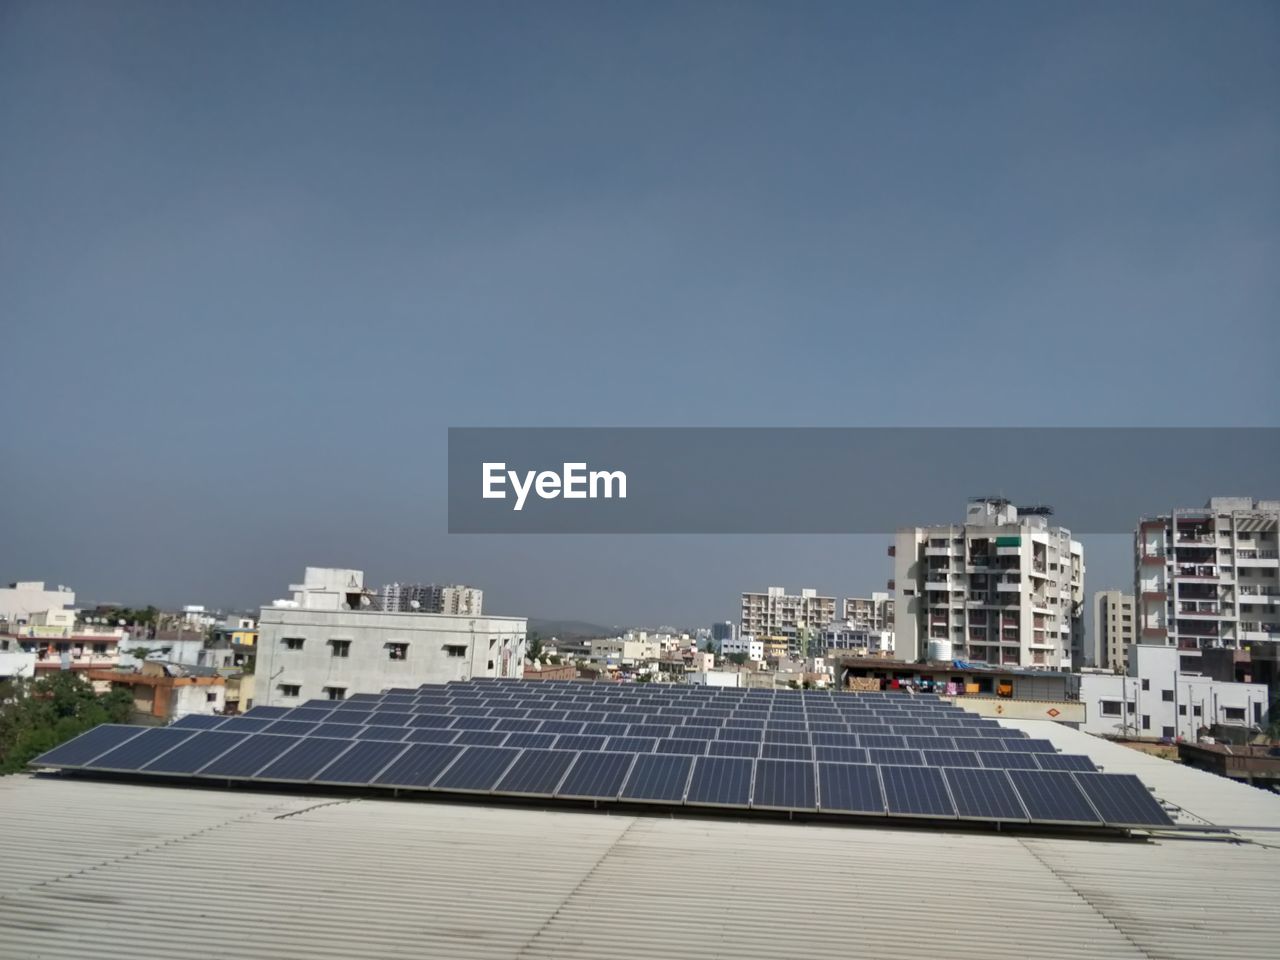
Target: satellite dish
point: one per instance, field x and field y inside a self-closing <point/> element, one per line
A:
<point x="414" y="604"/>
<point x="364" y="601"/>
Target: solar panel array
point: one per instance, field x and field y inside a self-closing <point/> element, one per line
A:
<point x="861" y="754"/>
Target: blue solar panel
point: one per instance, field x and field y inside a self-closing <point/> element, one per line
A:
<point x="1003" y="760"/>
<point x="1122" y="800"/>
<point x="1052" y="797"/>
<point x="784" y="785"/>
<point x="190" y="756"/>
<point x="631" y="744"/>
<point x="361" y="763"/>
<point x="198" y="721"/>
<point x="536" y="772"/>
<point x="141" y="750"/>
<point x="849" y="788"/>
<point x="733" y="748"/>
<point x="478" y="770"/>
<point x="1030" y="746"/>
<point x="840" y="755"/>
<point x="983" y="794"/>
<point x="1064" y="761"/>
<point x="899" y="757"/>
<point x="82" y="749"/>
<point x="245" y="724"/>
<point x="690" y="747"/>
<point x="786" y="751"/>
<point x="419" y="765"/>
<point x="246" y="759"/>
<point x="916" y="792"/>
<point x="305" y="760"/>
<point x="658" y="777"/>
<point x="721" y="782"/>
<point x="579" y="742"/>
<point x="951" y="758"/>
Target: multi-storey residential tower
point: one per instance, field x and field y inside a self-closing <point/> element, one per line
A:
<point x="1209" y="577"/>
<point x="1004" y="587"/>
<point x="1114" y="623"/>
<point x="777" y="613"/>
<point x="459" y="600"/>
<point x="875" y="611"/>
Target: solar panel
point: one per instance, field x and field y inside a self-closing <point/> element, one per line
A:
<point x="305" y="760"/>
<point x="1122" y="800"/>
<point x="784" y="785"/>
<point x="983" y="794"/>
<point x="721" y="782"/>
<point x="536" y="773"/>
<point x="1064" y="761"/>
<point x="1052" y="797"/>
<point x="190" y="756"/>
<point x="849" y="788"/>
<point x="141" y="750"/>
<point x="82" y="749"/>
<point x="419" y="765"/>
<point x="668" y="745"/>
<point x="361" y="763"/>
<point x="478" y="770"/>
<point x="658" y="777"/>
<point x="916" y="792"/>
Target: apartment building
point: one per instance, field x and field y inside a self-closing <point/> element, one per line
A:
<point x="455" y="599"/>
<point x="331" y="640"/>
<point x="19" y="600"/>
<point x="1156" y="698"/>
<point x="745" y="644"/>
<point x="1209" y="577"/>
<point x="1114" y="629"/>
<point x="1004" y="587"/>
<point x="857" y="638"/>
<point x="776" y="613"/>
<point x="875" y="611"/>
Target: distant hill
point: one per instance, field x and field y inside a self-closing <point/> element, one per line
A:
<point x="568" y="629"/>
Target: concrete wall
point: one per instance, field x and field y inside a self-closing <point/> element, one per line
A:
<point x="18" y="601"/>
<point x="1061" y="711"/>
<point x="15" y="663"/>
<point x="491" y="647"/>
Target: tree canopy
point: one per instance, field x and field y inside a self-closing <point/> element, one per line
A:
<point x="37" y="715"/>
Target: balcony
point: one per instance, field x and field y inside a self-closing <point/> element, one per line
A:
<point x="1014" y="587"/>
<point x="1205" y="572"/>
<point x="1150" y="595"/>
<point x="1155" y="632"/>
<point x="1199" y="610"/>
<point x="1151" y="559"/>
<point x="939" y="551"/>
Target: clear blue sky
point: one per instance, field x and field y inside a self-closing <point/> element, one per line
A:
<point x="256" y="258"/>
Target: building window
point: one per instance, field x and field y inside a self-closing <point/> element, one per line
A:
<point x="1146" y="684"/>
<point x="4" y="644"/>
<point x="1110" y="708"/>
<point x="455" y="650"/>
<point x="1167" y="733"/>
<point x="398" y="651"/>
<point x="1182" y="709"/>
<point x="1233" y="714"/>
<point x="1195" y="710"/>
<point x="289" y="690"/>
<point x="100" y="649"/>
<point x="341" y="648"/>
<point x="293" y="643"/>
<point x="1146" y="722"/>
<point x="210" y="698"/>
<point x="336" y="693"/>
<point x="1166" y="696"/>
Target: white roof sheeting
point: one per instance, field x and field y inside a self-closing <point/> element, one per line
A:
<point x="104" y="869"/>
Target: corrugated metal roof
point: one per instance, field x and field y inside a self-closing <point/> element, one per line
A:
<point x="110" y="869"/>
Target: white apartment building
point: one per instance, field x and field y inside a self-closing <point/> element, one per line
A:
<point x="743" y="643"/>
<point x="875" y="611"/>
<point x="330" y="641"/>
<point x="1114" y="629"/>
<point x="1003" y="587"/>
<point x="18" y="601"/>
<point x="627" y="650"/>
<point x="776" y="613"/>
<point x="1209" y="577"/>
<point x="1156" y="699"/>
<point x="857" y="638"/>
<point x="431" y="598"/>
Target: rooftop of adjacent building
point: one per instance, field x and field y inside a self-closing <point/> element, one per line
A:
<point x="263" y="875"/>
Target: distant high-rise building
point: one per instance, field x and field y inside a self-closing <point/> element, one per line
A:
<point x="875" y="611"/>
<point x="777" y="613"/>
<point x="724" y="630"/>
<point x="1113" y="630"/>
<point x="432" y="598"/>
<point x="1003" y="587"/>
<point x="1209" y="577"/>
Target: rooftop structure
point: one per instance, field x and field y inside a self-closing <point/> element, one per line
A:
<point x="1056" y="896"/>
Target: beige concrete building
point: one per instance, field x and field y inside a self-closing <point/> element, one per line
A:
<point x="776" y="613"/>
<point x="1114" y="621"/>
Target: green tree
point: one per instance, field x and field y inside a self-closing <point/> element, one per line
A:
<point x="533" y="649"/>
<point x="37" y="715"/>
<point x="737" y="658"/>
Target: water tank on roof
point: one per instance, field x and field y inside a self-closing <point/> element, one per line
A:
<point x="940" y="650"/>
